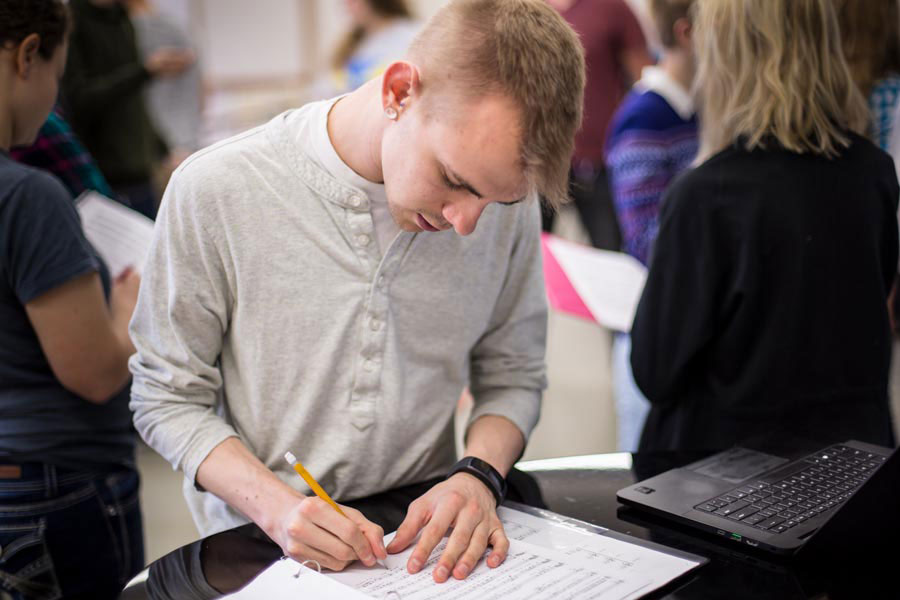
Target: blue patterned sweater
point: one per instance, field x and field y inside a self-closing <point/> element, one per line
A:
<point x="648" y="144"/>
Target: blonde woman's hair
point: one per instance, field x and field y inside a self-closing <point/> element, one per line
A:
<point x="523" y="50"/>
<point x="772" y="71"/>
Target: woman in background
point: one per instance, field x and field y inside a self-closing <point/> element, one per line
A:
<point x="70" y="524"/>
<point x="380" y="31"/>
<point x="765" y="310"/>
<point x="870" y="34"/>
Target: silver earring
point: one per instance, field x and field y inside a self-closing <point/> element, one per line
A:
<point x="391" y="113"/>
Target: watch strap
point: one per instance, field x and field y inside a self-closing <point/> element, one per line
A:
<point x="484" y="472"/>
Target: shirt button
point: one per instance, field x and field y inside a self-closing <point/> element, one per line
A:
<point x="355" y="201"/>
<point x="375" y="324"/>
<point x="382" y="281"/>
<point x="363" y="240"/>
<point x="369" y="366"/>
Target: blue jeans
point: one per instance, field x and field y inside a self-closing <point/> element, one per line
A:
<point x="68" y="534"/>
<point x="631" y="405"/>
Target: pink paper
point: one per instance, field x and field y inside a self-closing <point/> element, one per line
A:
<point x="560" y="293"/>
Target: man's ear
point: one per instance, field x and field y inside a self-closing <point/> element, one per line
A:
<point x="399" y="85"/>
<point x="27" y="54"/>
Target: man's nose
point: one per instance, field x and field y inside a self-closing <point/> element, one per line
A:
<point x="463" y="215"/>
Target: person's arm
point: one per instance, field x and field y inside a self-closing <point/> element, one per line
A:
<point x="507" y="379"/>
<point x="91" y="95"/>
<point x="183" y="313"/>
<point x="305" y="527"/>
<point x="86" y="342"/>
<point x="637" y="164"/>
<point x="677" y="313"/>
<point x="53" y="273"/>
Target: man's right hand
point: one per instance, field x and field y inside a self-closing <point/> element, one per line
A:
<point x="313" y="530"/>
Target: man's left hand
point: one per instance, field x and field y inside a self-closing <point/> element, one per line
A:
<point x="465" y="504"/>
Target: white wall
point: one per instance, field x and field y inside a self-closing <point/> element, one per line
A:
<point x="248" y="42"/>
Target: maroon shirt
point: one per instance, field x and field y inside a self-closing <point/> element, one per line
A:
<point x="607" y="29"/>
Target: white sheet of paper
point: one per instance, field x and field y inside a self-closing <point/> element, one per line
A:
<point x="120" y="235"/>
<point x="529" y="572"/>
<point x="547" y="559"/>
<point x="597" y="549"/>
<point x="278" y="582"/>
<point x="609" y="283"/>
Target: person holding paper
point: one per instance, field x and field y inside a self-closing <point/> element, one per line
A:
<point x="318" y="285"/>
<point x="652" y="138"/>
<point x="765" y="308"/>
<point x="67" y="461"/>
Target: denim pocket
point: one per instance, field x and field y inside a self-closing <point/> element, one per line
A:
<point x="26" y="569"/>
<point x="119" y="495"/>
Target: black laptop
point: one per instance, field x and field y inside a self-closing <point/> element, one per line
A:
<point x="840" y="496"/>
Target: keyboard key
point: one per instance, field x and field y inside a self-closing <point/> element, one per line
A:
<point x="771" y="523"/>
<point x="743" y="513"/>
<point x="707" y="507"/>
<point x="731" y="508"/>
<point x="778" y="529"/>
<point x="754" y="519"/>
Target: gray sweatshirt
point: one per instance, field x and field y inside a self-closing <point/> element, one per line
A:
<point x="267" y="312"/>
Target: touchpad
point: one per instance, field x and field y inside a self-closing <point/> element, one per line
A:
<point x="737" y="464"/>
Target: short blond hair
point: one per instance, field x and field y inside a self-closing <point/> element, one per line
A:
<point x="524" y="50"/>
<point x="773" y="70"/>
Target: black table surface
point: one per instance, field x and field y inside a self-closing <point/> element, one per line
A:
<point x="581" y="487"/>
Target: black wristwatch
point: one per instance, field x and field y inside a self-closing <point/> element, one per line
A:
<point x="487" y="474"/>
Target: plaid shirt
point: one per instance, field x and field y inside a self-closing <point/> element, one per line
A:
<point x="58" y="150"/>
<point x="882" y="101"/>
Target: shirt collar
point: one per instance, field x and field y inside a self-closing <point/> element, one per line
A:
<point x="328" y="156"/>
<point x="655" y="79"/>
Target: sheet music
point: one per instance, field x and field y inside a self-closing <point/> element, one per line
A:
<point x="609" y="283"/>
<point x="120" y="235"/>
<point x="547" y="559"/>
<point x="616" y="555"/>
<point x="528" y="572"/>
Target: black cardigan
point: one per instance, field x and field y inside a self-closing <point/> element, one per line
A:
<point x="765" y="309"/>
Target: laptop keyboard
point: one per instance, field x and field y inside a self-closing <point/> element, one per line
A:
<point x="818" y="483"/>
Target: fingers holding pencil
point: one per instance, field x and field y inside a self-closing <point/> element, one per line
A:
<point x="334" y="535"/>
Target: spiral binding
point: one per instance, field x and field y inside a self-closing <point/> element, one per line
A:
<point x="391" y="594"/>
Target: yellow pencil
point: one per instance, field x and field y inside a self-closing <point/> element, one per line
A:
<point x="311" y="482"/>
<point x="316" y="488"/>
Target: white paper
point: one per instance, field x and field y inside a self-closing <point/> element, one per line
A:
<point x="529" y="572"/>
<point x="546" y="559"/>
<point x="575" y="543"/>
<point x="120" y="235"/>
<point x="288" y="580"/>
<point x="609" y="283"/>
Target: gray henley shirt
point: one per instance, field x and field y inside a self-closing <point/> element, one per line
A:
<point x="268" y="312"/>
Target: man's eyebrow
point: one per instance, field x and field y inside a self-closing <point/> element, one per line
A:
<point x="462" y="182"/>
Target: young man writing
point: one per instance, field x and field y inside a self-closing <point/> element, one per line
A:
<point x="294" y="302"/>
